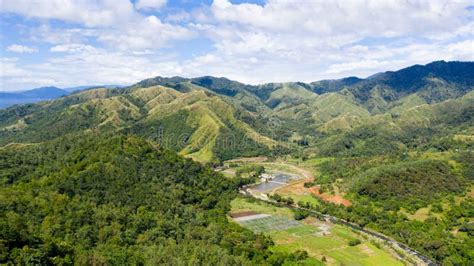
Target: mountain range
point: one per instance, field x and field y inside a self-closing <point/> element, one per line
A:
<point x="199" y="117"/>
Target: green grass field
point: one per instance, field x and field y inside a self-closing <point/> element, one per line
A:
<point x="334" y="247"/>
<point x="303" y="198"/>
<point x="241" y="204"/>
<point x="303" y="230"/>
<point x="306" y="235"/>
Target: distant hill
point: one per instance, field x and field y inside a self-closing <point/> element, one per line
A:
<point x="331" y="85"/>
<point x="42" y="94"/>
<point x="30" y="96"/>
<point x="429" y="81"/>
<point x="86" y="87"/>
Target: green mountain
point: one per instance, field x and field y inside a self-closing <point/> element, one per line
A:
<point x="195" y="121"/>
<point x="213" y="119"/>
<point x="325" y="86"/>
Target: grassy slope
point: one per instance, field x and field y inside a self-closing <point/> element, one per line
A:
<point x="287" y="95"/>
<point x="207" y="114"/>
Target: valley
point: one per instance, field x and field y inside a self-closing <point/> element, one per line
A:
<point x="386" y="161"/>
<point x="319" y="234"/>
<point x="237" y="132"/>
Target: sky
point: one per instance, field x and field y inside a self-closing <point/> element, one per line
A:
<point x="68" y="43"/>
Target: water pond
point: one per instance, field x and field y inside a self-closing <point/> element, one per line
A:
<point x="279" y="180"/>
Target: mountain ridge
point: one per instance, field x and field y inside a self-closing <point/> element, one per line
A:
<point x="205" y="112"/>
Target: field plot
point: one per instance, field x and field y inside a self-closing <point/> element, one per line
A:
<point x="333" y="247"/>
<point x="269" y="223"/>
<point x="322" y="240"/>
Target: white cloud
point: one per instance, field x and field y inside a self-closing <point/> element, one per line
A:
<point x="114" y="22"/>
<point x="14" y="77"/>
<point x="150" y="4"/>
<point x="386" y="18"/>
<point x="9" y="67"/>
<point x="180" y="16"/>
<point x="115" y="41"/>
<point x="291" y="25"/>
<point x="294" y="40"/>
<point x="464" y="49"/>
<point x="48" y="34"/>
<point x="89" y="13"/>
<point x="143" y="52"/>
<point x="149" y="32"/>
<point x="84" y="67"/>
<point x="364" y="65"/>
<point x="21" y="49"/>
<point x="72" y="48"/>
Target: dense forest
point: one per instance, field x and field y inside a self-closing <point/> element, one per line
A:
<point x="86" y="199"/>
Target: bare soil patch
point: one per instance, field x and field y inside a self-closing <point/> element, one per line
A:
<point x="297" y="188"/>
<point x="337" y="199"/>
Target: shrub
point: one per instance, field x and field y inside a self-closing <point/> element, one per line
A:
<point x="300" y="214"/>
<point x="354" y="242"/>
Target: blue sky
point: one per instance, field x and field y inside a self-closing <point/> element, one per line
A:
<point x="91" y="42"/>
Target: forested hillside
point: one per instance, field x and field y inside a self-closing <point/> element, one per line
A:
<point x="118" y="200"/>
